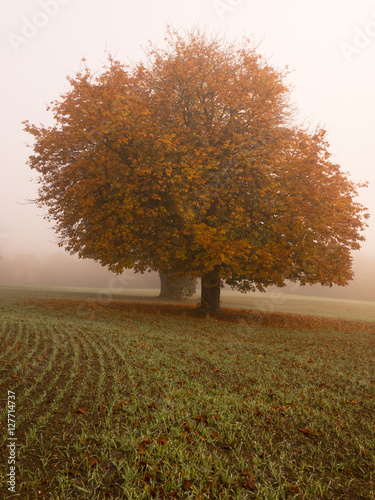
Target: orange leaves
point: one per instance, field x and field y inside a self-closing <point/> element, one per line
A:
<point x="142" y="446"/>
<point x="249" y="481"/>
<point x="294" y="489"/>
<point x="186" y="485"/>
<point x="162" y="440"/>
<point x="119" y="406"/>
<point x="94" y="461"/>
<point x="350" y="401"/>
<point x="214" y="435"/>
<point x="81" y="411"/>
<point x="145" y="442"/>
<point x="305" y="431"/>
<point x="179" y="164"/>
<point x="201" y="419"/>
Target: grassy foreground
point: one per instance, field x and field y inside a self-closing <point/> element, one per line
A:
<point x="138" y="400"/>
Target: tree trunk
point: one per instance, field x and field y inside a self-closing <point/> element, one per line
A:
<point x="165" y="288"/>
<point x="210" y="294"/>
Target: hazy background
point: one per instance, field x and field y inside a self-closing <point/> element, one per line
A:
<point x="329" y="46"/>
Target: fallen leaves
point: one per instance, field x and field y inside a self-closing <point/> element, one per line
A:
<point x="119" y="405"/>
<point x="73" y="472"/>
<point x="94" y="461"/>
<point x="186" y="485"/>
<point x="145" y="442"/>
<point x="305" y="431"/>
<point x="293" y="488"/>
<point x="141" y="447"/>
<point x="249" y="483"/>
<point x="181" y="426"/>
<point x="81" y="411"/>
<point x="201" y="419"/>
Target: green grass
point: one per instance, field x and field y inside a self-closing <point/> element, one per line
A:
<point x="272" y="301"/>
<point x="278" y="301"/>
<point x="118" y="399"/>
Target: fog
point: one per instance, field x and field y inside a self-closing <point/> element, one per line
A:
<point x="328" y="46"/>
<point x="63" y="270"/>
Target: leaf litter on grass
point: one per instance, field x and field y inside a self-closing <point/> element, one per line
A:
<point x="221" y="406"/>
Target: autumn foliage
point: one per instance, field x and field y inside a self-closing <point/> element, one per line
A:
<point x="191" y="163"/>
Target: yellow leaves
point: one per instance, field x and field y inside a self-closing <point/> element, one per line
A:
<point x="192" y="162"/>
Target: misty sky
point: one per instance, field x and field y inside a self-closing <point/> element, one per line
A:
<point x="328" y="45"/>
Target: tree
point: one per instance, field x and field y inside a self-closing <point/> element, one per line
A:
<point x="176" y="287"/>
<point x="192" y="164"/>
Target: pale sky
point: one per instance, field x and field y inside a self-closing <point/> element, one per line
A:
<point x="328" y="44"/>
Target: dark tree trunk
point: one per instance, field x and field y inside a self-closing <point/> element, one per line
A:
<point x="165" y="286"/>
<point x="210" y="294"/>
<point x="205" y="293"/>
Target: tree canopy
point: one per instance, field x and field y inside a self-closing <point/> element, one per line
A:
<point x="192" y="163"/>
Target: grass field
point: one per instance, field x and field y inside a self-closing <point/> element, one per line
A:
<point x="122" y="397"/>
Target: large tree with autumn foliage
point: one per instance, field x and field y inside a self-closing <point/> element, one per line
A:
<point x="191" y="164"/>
